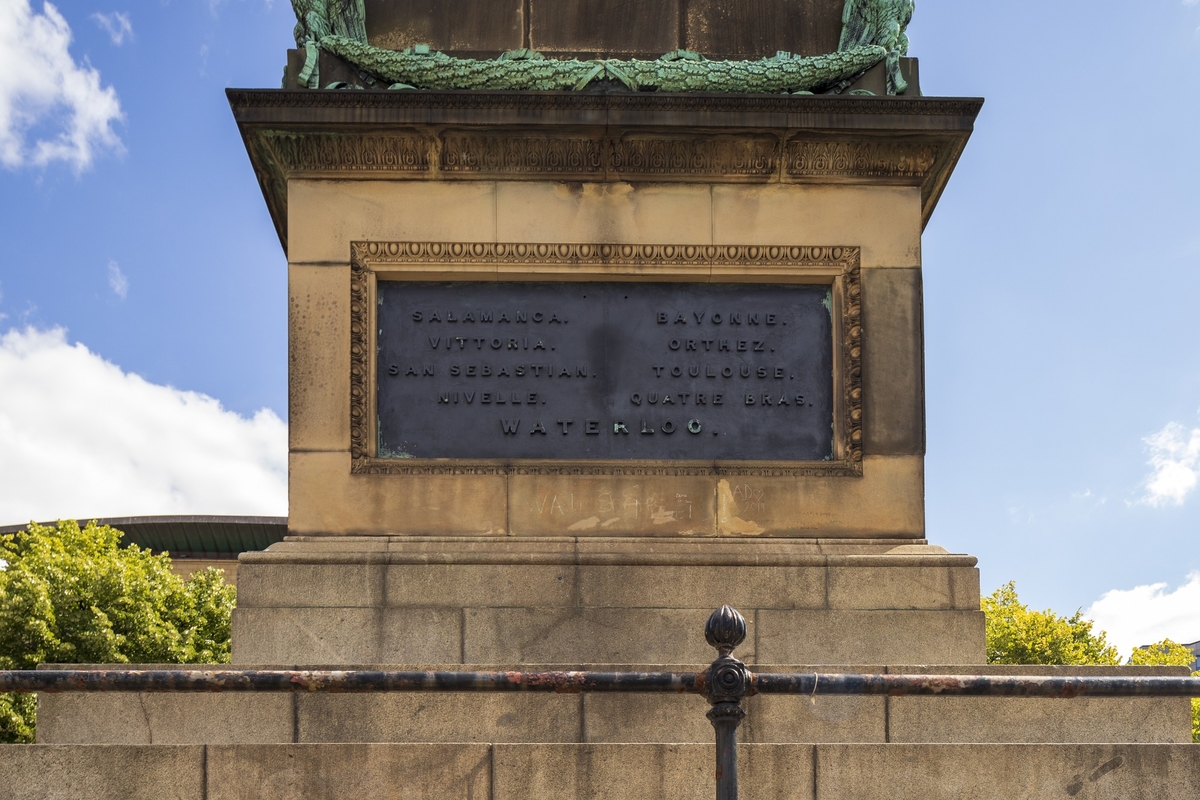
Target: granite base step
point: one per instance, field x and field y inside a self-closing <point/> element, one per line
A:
<point x="245" y="718"/>
<point x="598" y="771"/>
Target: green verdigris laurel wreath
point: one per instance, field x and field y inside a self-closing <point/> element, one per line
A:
<point x="872" y="31"/>
<point x="675" y="72"/>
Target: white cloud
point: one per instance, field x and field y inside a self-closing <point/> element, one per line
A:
<point x="45" y="95"/>
<point x="117" y="280"/>
<point x="81" y="438"/>
<point x="1148" y="614"/>
<point x="1175" y="463"/>
<point x="117" y="25"/>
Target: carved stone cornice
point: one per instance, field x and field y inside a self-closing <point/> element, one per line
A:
<point x="265" y="106"/>
<point x="599" y="137"/>
<point x="838" y="266"/>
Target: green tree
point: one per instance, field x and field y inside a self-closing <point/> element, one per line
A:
<point x="1171" y="654"/>
<point x="1163" y="654"/>
<point x="71" y="595"/>
<point x="1016" y="635"/>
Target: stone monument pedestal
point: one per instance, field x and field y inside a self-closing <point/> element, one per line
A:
<point x="602" y="600"/>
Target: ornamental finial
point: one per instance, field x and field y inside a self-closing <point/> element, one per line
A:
<point x="725" y="629"/>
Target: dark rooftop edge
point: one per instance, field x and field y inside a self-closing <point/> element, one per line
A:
<point x="204" y="536"/>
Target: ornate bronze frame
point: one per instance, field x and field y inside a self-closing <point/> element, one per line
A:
<point x="835" y="266"/>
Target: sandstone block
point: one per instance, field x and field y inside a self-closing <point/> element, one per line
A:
<point x="1007" y="719"/>
<point x="884" y="220"/>
<point x="324" y="217"/>
<point x="318" y="358"/>
<point x="334" y="636"/>
<point x="338" y="771"/>
<point x="587" y="635"/>
<point x="159" y="718"/>
<point x="67" y="772"/>
<point x="1030" y="772"/>
<point x="325" y="498"/>
<point x="893" y="362"/>
<point x="550" y="211"/>
<point x="847" y="637"/>
<point x="885" y="587"/>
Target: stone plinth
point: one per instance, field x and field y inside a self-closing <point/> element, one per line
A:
<point x="353" y="600"/>
<point x="595" y="771"/>
<point x="169" y="719"/>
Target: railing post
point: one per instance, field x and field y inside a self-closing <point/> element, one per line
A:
<point x="727" y="682"/>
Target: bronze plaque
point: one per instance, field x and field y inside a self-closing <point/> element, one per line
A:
<point x="708" y="372"/>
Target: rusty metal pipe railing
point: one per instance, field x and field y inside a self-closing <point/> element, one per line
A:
<point x="342" y="681"/>
<point x="53" y="681"/>
<point x="724" y="684"/>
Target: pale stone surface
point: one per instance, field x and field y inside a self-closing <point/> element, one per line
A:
<point x="884" y="220"/>
<point x="1028" y="772"/>
<point x="700" y="587"/>
<point x="159" y="718"/>
<point x="888" y="500"/>
<point x="588" y="635"/>
<point x="893" y="362"/>
<point x="646" y="771"/>
<point x="324" y="217"/>
<point x="325" y="498"/>
<point x="553" y="211"/>
<point x="470" y="585"/>
<point x="496" y="600"/>
<point x="848" y="637"/>
<point x="611" y="505"/>
<point x="369" y="585"/>
<point x="884" y="587"/>
<point x="66" y="772"/>
<point x="606" y="550"/>
<point x="1007" y="719"/>
<point x="346" y="635"/>
<point x="885" y="502"/>
<point x="329" y="771"/>
<point x="133" y="718"/>
<point x="645" y="718"/>
<point x="775" y="719"/>
<point x="453" y="771"/>
<point x="821" y="719"/>
<point x="441" y="717"/>
<point x="318" y="357"/>
<point x="311" y="585"/>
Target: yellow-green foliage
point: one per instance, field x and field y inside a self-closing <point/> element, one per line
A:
<point x="1168" y="653"/>
<point x="75" y="595"/>
<point x="1163" y="654"/>
<point x="1016" y="635"/>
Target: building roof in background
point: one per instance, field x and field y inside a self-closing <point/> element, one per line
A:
<point x="203" y="537"/>
<point x="1195" y="648"/>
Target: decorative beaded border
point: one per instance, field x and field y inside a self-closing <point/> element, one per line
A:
<point x="836" y="266"/>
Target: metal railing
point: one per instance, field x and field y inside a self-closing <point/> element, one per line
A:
<point x="724" y="684"/>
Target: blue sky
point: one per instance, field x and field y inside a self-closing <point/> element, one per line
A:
<point x="1062" y="273"/>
